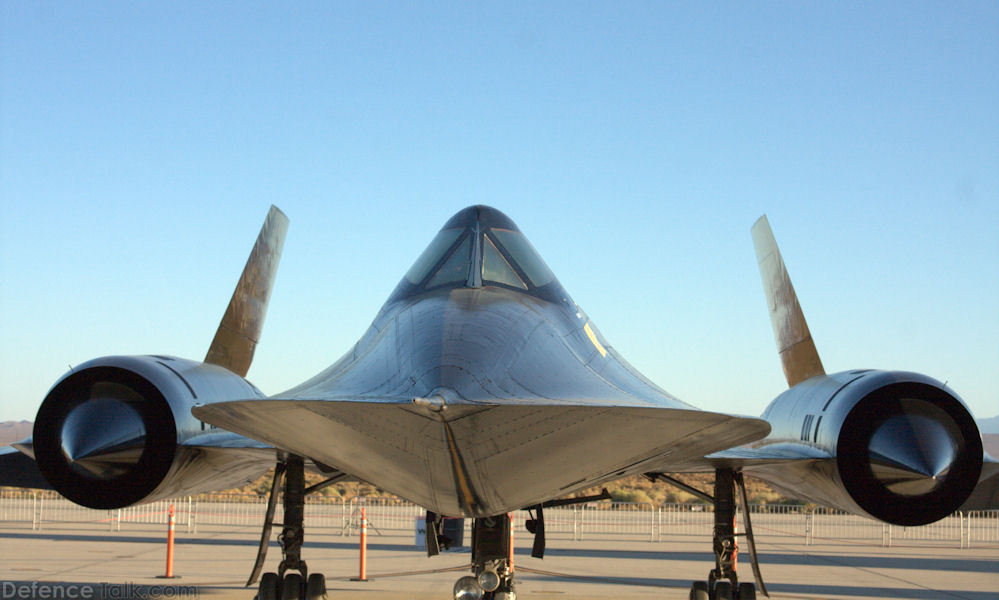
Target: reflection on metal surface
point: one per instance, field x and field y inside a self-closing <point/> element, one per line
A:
<point x="104" y="437"/>
<point x="912" y="452"/>
<point x="467" y="588"/>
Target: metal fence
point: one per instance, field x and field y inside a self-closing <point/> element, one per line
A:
<point x="639" y="521"/>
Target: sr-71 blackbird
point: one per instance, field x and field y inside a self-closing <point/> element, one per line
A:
<point x="482" y="388"/>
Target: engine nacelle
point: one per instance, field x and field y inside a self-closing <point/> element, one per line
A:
<point x="111" y="432"/>
<point x="904" y="448"/>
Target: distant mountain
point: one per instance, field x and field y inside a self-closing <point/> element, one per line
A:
<point x="990" y="441"/>
<point x="990" y="434"/>
<point x="14" y="431"/>
<point x="989" y="425"/>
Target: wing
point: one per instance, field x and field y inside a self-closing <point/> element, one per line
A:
<point x="18" y="469"/>
<point x="224" y="453"/>
<point x="220" y="455"/>
<point x="480" y="459"/>
<point x="986" y="494"/>
<point x="797" y="469"/>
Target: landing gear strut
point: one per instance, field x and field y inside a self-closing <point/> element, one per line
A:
<point x="493" y="576"/>
<point x="723" y="580"/>
<point x="287" y="584"/>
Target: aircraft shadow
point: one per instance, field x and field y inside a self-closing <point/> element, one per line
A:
<point x="965" y="564"/>
<point x="105" y="591"/>
<point x="793" y="590"/>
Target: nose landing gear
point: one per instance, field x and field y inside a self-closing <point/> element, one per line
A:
<point x="492" y="577"/>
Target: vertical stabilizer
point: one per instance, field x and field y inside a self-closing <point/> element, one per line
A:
<point x="239" y="331"/>
<point x="794" y="342"/>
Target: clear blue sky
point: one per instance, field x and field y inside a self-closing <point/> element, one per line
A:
<point x="634" y="143"/>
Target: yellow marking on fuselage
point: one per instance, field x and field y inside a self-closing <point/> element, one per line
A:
<point x="593" y="338"/>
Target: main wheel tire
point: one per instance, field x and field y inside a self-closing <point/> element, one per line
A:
<point x="270" y="587"/>
<point x="723" y="591"/>
<point x="699" y="591"/>
<point x="747" y="591"/>
<point x="292" y="589"/>
<point x="315" y="587"/>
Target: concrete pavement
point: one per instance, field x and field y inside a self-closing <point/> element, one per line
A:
<point x="85" y="559"/>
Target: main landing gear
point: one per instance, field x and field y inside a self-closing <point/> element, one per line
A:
<point x="723" y="580"/>
<point x="292" y="580"/>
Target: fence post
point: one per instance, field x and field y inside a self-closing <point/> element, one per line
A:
<point x="659" y="524"/>
<point x="968" y="529"/>
<point x="965" y="538"/>
<point x="652" y="524"/>
<point x="808" y="528"/>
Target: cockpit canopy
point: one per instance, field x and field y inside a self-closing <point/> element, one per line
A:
<point x="480" y="246"/>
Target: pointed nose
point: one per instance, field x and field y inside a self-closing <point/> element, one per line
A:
<point x="912" y="453"/>
<point x="104" y="437"/>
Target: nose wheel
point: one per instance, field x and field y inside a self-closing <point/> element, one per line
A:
<point x="493" y="571"/>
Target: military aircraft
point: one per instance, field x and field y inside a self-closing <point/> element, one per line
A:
<point x="481" y="388"/>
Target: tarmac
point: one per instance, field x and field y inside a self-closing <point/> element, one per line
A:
<point x="86" y="561"/>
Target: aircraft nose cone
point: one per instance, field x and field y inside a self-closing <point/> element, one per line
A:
<point x="911" y="453"/>
<point x="104" y="437"/>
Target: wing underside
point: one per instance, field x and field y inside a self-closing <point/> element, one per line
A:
<point x="483" y="459"/>
<point x="18" y="469"/>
